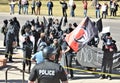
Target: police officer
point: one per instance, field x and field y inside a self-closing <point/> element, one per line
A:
<point x="48" y="71"/>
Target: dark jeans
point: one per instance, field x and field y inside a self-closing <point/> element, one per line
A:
<point x="17" y="36"/>
<point x="104" y="14"/>
<point x="64" y="12"/>
<point x="107" y="63"/>
<point x="4" y="43"/>
<point x="19" y="8"/>
<point x="33" y="10"/>
<point x="113" y="12"/>
<point x="50" y="11"/>
<point x="27" y="63"/>
<point x="72" y="12"/>
<point x="9" y="50"/>
<point x="68" y="58"/>
<point x="97" y="13"/>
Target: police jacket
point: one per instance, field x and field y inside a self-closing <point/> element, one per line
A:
<point x="48" y="72"/>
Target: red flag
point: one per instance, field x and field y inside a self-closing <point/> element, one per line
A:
<point x="80" y="35"/>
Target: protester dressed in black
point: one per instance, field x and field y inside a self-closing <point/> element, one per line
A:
<point x="4" y="30"/>
<point x="16" y="29"/>
<point x="109" y="49"/>
<point x="27" y="51"/>
<point x="64" y="7"/>
<point x="10" y="38"/>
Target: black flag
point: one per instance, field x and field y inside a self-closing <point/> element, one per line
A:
<point x="45" y="22"/>
<point x="99" y="25"/>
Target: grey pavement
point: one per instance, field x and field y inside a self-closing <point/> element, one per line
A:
<point x="15" y="76"/>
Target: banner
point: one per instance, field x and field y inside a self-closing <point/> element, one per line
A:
<point x="92" y="57"/>
<point x="81" y="35"/>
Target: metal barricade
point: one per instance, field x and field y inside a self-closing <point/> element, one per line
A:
<point x="11" y="67"/>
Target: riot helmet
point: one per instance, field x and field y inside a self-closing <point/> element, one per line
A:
<point x="48" y="51"/>
<point x="41" y="46"/>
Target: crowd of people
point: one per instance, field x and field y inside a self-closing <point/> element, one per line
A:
<point x="105" y="7"/>
<point x="11" y="30"/>
<point x="45" y="35"/>
<point x="49" y="46"/>
<point x="101" y="10"/>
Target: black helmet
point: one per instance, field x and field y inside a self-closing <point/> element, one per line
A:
<point x="48" y="51"/>
<point x="41" y="46"/>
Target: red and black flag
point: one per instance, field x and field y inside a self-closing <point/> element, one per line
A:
<point x="81" y="35"/>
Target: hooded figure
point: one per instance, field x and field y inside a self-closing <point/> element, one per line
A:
<point x="27" y="51"/>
